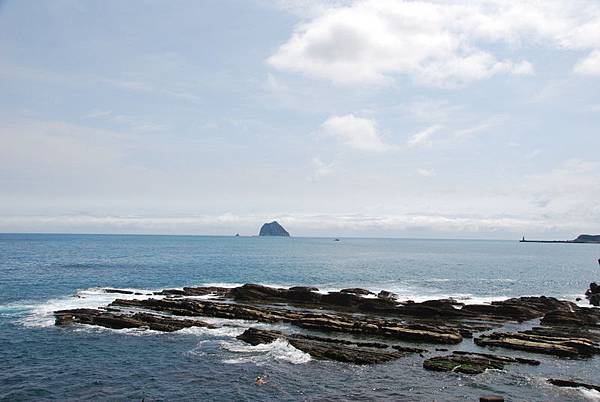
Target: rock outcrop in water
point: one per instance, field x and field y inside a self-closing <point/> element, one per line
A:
<point x="574" y="332"/>
<point x="593" y="294"/>
<point x="324" y="322"/>
<point x="472" y="363"/>
<point x="121" y="321"/>
<point x="328" y="348"/>
<point x="573" y="384"/>
<point x="361" y="327"/>
<point x="273" y="229"/>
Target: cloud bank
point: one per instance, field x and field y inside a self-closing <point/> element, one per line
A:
<point x="437" y="43"/>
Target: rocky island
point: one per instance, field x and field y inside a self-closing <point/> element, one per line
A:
<point x="273" y="229"/>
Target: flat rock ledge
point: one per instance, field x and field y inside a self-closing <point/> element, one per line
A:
<point x="121" y="321"/>
<point x="330" y="349"/>
<point x="547" y="344"/>
<point x="318" y="321"/>
<point x="378" y="320"/>
<point x="472" y="363"/>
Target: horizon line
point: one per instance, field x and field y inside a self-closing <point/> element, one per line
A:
<point x="254" y="235"/>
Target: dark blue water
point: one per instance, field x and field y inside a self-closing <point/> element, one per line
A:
<point x="42" y="273"/>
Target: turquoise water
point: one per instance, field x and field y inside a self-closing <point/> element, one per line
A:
<point x="42" y="273"/>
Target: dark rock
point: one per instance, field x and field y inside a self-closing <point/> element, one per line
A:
<point x="384" y="294"/>
<point x="357" y="291"/>
<point x="380" y="306"/>
<point x="119" y="291"/>
<point x="197" y="291"/>
<point x="342" y="299"/>
<point x="257" y="293"/>
<point x="585" y="238"/>
<point x="472" y="363"/>
<point x="593" y="294"/>
<point x="532" y="342"/>
<point x="491" y="398"/>
<point x="462" y="364"/>
<point x="273" y="229"/>
<point x="576" y="317"/>
<point x="505" y="359"/>
<point x="573" y="384"/>
<point x="303" y="289"/>
<point x="120" y="321"/>
<point x="324" y="348"/>
<point x="309" y="320"/>
<point x="255" y="336"/>
<point x="520" y="309"/>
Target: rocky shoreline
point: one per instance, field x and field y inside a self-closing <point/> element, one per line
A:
<point x="360" y="327"/>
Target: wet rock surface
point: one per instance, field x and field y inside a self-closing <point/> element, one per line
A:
<point x="573" y="384"/>
<point x="324" y="322"/>
<point x="327" y="348"/>
<point x="472" y="363"/>
<point x="572" y="332"/>
<point x="593" y="294"/>
<point x="530" y="341"/>
<point x="120" y="321"/>
<point x="369" y="324"/>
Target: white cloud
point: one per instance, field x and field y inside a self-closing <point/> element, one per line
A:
<point x="423" y="138"/>
<point x="356" y="132"/>
<point x="590" y="65"/>
<point x="426" y="172"/>
<point x="457" y="226"/>
<point x="436" y="42"/>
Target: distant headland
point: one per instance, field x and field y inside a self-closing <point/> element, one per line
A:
<point x="273" y="229"/>
<point x="584" y="238"/>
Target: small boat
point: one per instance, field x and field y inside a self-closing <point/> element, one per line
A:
<point x="336" y="239"/>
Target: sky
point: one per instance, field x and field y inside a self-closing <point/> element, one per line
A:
<point x="377" y="118"/>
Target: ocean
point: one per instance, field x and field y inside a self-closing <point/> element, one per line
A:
<point x="42" y="273"/>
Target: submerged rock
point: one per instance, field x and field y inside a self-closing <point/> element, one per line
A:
<point x="273" y="229"/>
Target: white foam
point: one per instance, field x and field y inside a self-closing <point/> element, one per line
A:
<point x="404" y="292"/>
<point x="260" y="354"/>
<point x="590" y="394"/>
<point x="41" y="314"/>
<point x="123" y="331"/>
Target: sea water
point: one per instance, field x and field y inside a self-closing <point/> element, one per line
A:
<point x="43" y="273"/>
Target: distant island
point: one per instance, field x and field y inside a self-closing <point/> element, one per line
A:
<point x="273" y="229"/>
<point x="584" y="238"/>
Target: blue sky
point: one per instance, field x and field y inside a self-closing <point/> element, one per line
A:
<point x="462" y="119"/>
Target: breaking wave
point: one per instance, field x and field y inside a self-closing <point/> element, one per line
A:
<point x="261" y="354"/>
